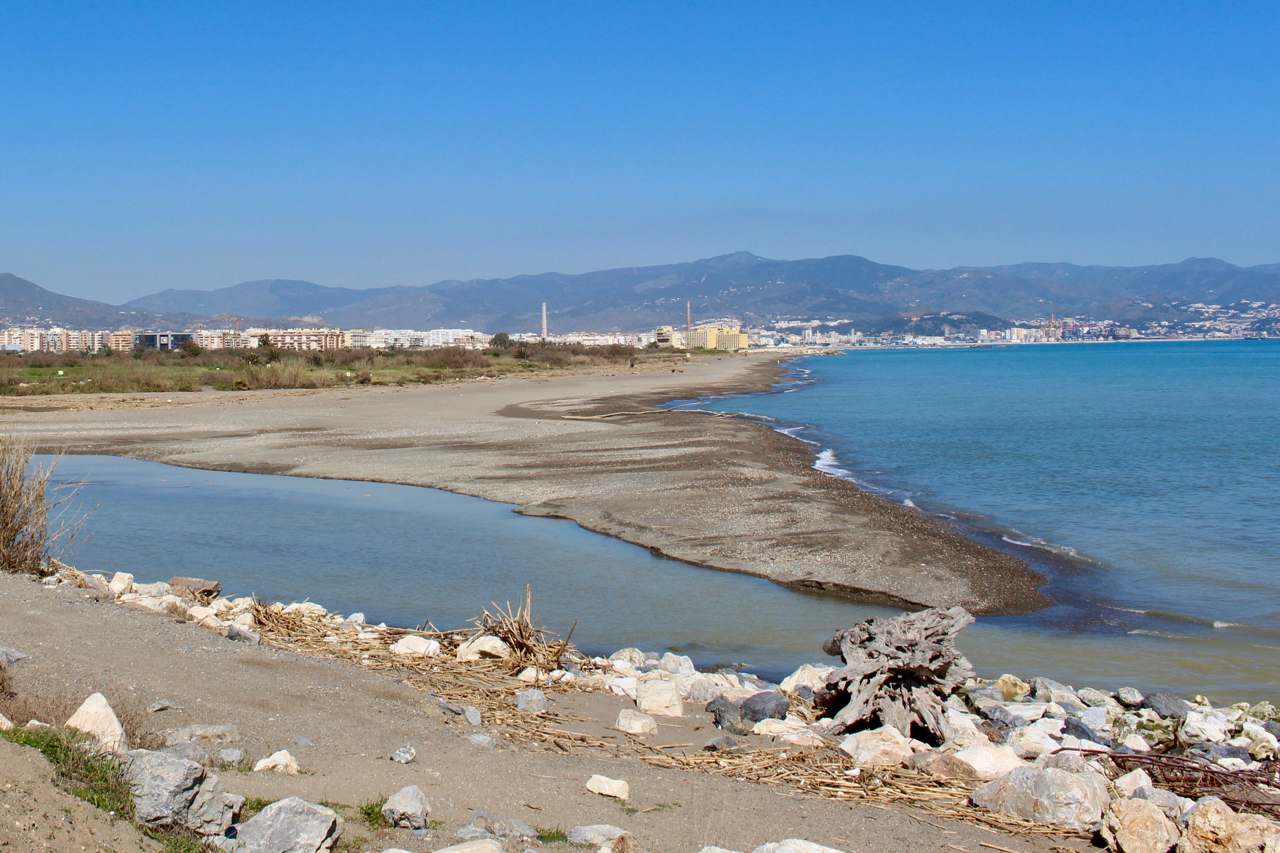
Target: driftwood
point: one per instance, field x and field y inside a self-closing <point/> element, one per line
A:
<point x="897" y="673"/>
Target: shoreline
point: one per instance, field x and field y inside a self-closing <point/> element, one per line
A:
<point x="592" y="449"/>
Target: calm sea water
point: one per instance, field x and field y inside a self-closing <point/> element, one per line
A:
<point x="1143" y="479"/>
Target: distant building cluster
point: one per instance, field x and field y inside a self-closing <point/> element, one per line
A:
<point x="66" y="340"/>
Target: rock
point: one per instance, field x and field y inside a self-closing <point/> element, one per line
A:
<point x="991" y="762"/>
<point x="162" y="705"/>
<point x="8" y="656"/>
<point x="807" y="675"/>
<point x="1138" y="826"/>
<point x="1093" y="698"/>
<point x="486" y="824"/>
<point x="794" y="845"/>
<point x="484" y="845"/>
<point x="764" y="706"/>
<point x="188" y="750"/>
<point x="634" y="657"/>
<point x="533" y="675"/>
<point x="163" y="786"/>
<point x="472" y="715"/>
<point x="299" y="740"/>
<point x="1073" y="727"/>
<point x="606" y="787"/>
<point x="482" y="740"/>
<point x="1136" y="742"/>
<point x="1197" y="727"/>
<point x="5" y="725"/>
<point x="407" y="808"/>
<point x="1012" y="688"/>
<point x="121" y="582"/>
<point x="727" y="716"/>
<point x="1094" y="717"/>
<point x="677" y="664"/>
<point x="658" y="697"/>
<point x="404" y="755"/>
<point x="1070" y="800"/>
<point x="289" y="826"/>
<point x="1048" y="690"/>
<point x="635" y="723"/>
<point x="152" y="590"/>
<point x="96" y="719"/>
<point x="1214" y="828"/>
<point x="699" y="691"/>
<point x="882" y="747"/>
<point x="790" y="730"/>
<point x="196" y="587"/>
<point x="213" y="810"/>
<point x="355" y="619"/>
<point x="231" y="756"/>
<point x="280" y="762"/>
<point x="1127" y="785"/>
<point x="943" y="766"/>
<point x="599" y="833"/>
<point x="1173" y="806"/>
<point x="532" y="701"/>
<point x="416" y="646"/>
<point x="1129" y="697"/>
<point x="206" y="735"/>
<point x="1072" y="762"/>
<point x="243" y="635"/>
<point x="713" y="849"/>
<point x="1167" y="705"/>
<point x="723" y="743"/>
<point x="199" y="614"/>
<point x="483" y="646"/>
<point x="1004" y="717"/>
<point x="1031" y="742"/>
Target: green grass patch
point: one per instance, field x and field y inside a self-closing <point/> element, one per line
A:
<point x="253" y="805"/>
<point x="371" y="813"/>
<point x="550" y="836"/>
<point x="177" y="840"/>
<point x="95" y="777"/>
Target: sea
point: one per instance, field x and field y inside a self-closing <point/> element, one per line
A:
<point x="1142" y="479"/>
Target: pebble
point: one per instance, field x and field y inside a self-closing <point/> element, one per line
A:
<point x="405" y="754"/>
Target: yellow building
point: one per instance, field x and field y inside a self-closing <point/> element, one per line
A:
<point x="719" y="337"/>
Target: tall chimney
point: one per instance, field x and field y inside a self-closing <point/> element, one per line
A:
<point x="544" y="321"/>
<point x="688" y="326"/>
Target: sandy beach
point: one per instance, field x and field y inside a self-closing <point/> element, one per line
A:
<point x="714" y="491"/>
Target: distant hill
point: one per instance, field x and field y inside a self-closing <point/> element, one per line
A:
<point x="844" y="290"/>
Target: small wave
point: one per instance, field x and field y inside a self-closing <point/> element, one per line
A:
<point x="1051" y="547"/>
<point x="1219" y="624"/>
<point x="910" y="503"/>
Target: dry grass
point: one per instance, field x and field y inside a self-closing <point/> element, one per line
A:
<point x="35" y="529"/>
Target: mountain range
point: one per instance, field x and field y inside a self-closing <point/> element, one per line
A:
<point x="844" y="289"/>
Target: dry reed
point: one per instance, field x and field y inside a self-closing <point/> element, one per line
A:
<point x="35" y="529"/>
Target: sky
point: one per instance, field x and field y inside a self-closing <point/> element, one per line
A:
<point x="145" y="146"/>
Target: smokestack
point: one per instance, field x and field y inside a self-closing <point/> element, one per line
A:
<point x="544" y="321"/>
<point x="688" y="326"/>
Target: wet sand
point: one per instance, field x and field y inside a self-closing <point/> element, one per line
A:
<point x="713" y="491"/>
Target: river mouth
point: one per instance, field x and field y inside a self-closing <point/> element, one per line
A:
<point x="408" y="555"/>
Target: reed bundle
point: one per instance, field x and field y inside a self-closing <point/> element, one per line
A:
<point x="1254" y="791"/>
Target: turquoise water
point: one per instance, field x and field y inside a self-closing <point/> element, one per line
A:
<point x="1143" y="479"/>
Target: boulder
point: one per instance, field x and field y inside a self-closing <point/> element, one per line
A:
<point x="1138" y="826"/>
<point x="531" y="701"/>
<point x="807" y="675"/>
<point x="764" y="706"/>
<point x="212" y="810"/>
<point x="483" y="646"/>
<point x="1071" y="800"/>
<point x="1127" y="785"/>
<point x="699" y="690"/>
<point x="487" y="825"/>
<point x="96" y="719"/>
<point x="289" y="826"/>
<point x="200" y="614"/>
<point x="163" y="786"/>
<point x="1214" y="828"/>
<point x="280" y="762"/>
<point x="606" y="787"/>
<point x="173" y="606"/>
<point x="882" y="747"/>
<point x="1031" y="742"/>
<point x="1048" y="690"/>
<point x="1130" y="697"/>
<point x="659" y="697"/>
<point x="1073" y="727"/>
<point x="153" y="590"/>
<point x="1072" y="762"/>
<point x="240" y="634"/>
<point x="942" y="766"/>
<point x="635" y="723"/>
<point x="634" y="657"/>
<point x="790" y="730"/>
<point x="416" y="646"/>
<point x="407" y="808"/>
<point x="677" y="664"/>
<point x="188" y="750"/>
<point x="121" y="582"/>
<point x="1136" y="742"/>
<point x="727" y="716"/>
<point x="1198" y="727"/>
<point x="1012" y="688"/>
<point x="991" y="762"/>
<point x="1173" y="806"/>
<point x="205" y="735"/>
<point x="1167" y="705"/>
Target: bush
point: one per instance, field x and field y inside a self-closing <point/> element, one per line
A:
<point x="34" y="530"/>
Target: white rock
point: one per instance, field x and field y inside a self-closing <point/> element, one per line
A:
<point x="1058" y="797"/>
<point x="791" y="730"/>
<point x="407" y="808"/>
<point x="533" y="675"/>
<point x="658" y="696"/>
<point x="96" y="719"/>
<point x="416" y="646"/>
<point x="635" y="723"/>
<point x="622" y="686"/>
<point x="1126" y="785"/>
<point x="245" y="620"/>
<point x="1031" y="742"/>
<point x="281" y="762"/>
<point x="5" y="725"/>
<point x="1198" y="727"/>
<point x="121" y="582"/>
<point x="1074" y="743"/>
<point x="713" y="849"/>
<point x="794" y="845"/>
<point x="305" y="608"/>
<point x="355" y="619"/>
<point x="807" y="675"/>
<point x="882" y="747"/>
<point x="991" y="762"/>
<point x="483" y="646"/>
<point x="596" y="833"/>
<point x="1138" y="826"/>
<point x="198" y="614"/>
<point x="677" y="664"/>
<point x="1136" y="742"/>
<point x="1050" y="726"/>
<point x="480" y="845"/>
<point x="606" y="787"/>
<point x="173" y="606"/>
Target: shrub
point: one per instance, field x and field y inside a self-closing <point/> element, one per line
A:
<point x="34" y="530"/>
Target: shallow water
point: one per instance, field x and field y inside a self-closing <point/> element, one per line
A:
<point x="1143" y="479"/>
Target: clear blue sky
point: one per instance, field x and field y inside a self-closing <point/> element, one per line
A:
<point x="196" y="145"/>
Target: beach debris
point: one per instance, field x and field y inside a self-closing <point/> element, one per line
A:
<point x="531" y="701"/>
<point x="407" y="808"/>
<point x="882" y="747"/>
<point x="1056" y="797"/>
<point x="486" y="824"/>
<point x="897" y="672"/>
<point x="96" y="719"/>
<point x="635" y="722"/>
<point x="606" y="787"/>
<point x="8" y="656"/>
<point x="658" y="695"/>
<point x="292" y="825"/>
<point x="405" y="754"/>
<point x="280" y="762"/>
